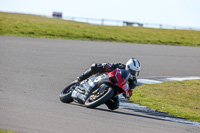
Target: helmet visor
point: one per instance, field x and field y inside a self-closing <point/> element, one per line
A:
<point x="132" y="72"/>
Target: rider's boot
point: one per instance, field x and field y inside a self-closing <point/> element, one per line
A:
<point x="85" y="75"/>
<point x="113" y="103"/>
<point x="95" y="68"/>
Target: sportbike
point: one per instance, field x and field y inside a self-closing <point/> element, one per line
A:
<point x="95" y="91"/>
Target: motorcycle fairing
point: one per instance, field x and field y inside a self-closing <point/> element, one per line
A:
<point x="120" y="78"/>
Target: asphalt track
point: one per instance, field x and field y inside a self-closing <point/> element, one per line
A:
<point x="33" y="71"/>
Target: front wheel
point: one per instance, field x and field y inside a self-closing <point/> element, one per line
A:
<point x="65" y="95"/>
<point x="99" y="98"/>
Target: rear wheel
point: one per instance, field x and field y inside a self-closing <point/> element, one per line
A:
<point x="99" y="98"/>
<point x="65" y="95"/>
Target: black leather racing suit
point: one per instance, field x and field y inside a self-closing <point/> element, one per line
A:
<point x="105" y="67"/>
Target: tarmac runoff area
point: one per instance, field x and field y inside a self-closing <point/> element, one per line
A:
<point x="126" y="104"/>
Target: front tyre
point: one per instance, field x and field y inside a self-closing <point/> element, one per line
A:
<point x="97" y="99"/>
<point x="65" y="95"/>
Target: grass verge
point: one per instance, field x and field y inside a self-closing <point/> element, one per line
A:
<point x="179" y="98"/>
<point x="13" y="24"/>
<point x="6" y="131"/>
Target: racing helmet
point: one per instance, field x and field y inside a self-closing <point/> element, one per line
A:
<point x="133" y="66"/>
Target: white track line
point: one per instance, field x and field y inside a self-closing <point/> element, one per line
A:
<point x="160" y="80"/>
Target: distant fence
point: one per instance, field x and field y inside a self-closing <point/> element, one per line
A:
<point x="111" y="22"/>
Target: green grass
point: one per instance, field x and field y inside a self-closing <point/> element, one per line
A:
<point x="6" y="131"/>
<point x="36" y="26"/>
<point x="179" y="98"/>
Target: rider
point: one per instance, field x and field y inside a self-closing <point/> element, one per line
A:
<point x="132" y="65"/>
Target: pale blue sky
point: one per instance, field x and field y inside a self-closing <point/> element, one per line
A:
<point x="169" y="12"/>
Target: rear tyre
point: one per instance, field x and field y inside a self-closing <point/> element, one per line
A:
<point x="98" y="100"/>
<point x="65" y="95"/>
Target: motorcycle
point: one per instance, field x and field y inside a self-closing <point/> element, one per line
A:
<point x="97" y="90"/>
